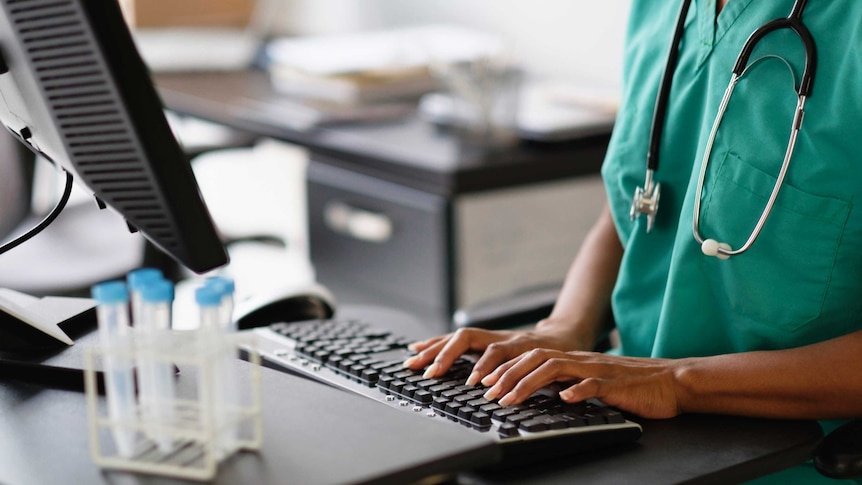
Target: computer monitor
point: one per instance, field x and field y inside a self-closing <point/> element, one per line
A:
<point x="74" y="89"/>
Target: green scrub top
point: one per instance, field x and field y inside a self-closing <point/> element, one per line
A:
<point x="800" y="281"/>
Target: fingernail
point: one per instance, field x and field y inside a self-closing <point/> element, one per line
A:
<point x="488" y="380"/>
<point x="413" y="346"/>
<point x="410" y="361"/>
<point x="474" y="377"/>
<point x="566" y="395"/>
<point x="507" y="399"/>
<point x="431" y="371"/>
<point x="491" y="394"/>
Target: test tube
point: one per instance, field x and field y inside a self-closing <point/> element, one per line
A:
<point x="209" y="301"/>
<point x="226" y="287"/>
<point x="136" y="280"/>
<point x="157" y="383"/>
<point x="225" y="369"/>
<point x="112" y="312"/>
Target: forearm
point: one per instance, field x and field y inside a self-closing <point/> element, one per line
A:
<point x="819" y="381"/>
<point x="581" y="310"/>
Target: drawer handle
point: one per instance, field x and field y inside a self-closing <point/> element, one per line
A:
<point x="357" y="223"/>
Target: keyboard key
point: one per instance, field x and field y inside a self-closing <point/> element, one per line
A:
<point x="393" y="369"/>
<point x="439" y="404"/>
<point x="530" y="413"/>
<point x="440" y="388"/>
<point x="466" y="412"/>
<point x="384" y="381"/>
<point x="356" y="370"/>
<point x="481" y="419"/>
<point x="429" y="383"/>
<point x="408" y="390"/>
<point x="613" y="416"/>
<point x="594" y="419"/>
<point x="490" y="407"/>
<point x="380" y="366"/>
<point x="556" y="422"/>
<point x="452" y="408"/>
<point x="423" y="397"/>
<point x="415" y="379"/>
<point x="370" y="376"/>
<point x="503" y="414"/>
<point x="573" y="421"/>
<point x="534" y="425"/>
<point x="404" y="374"/>
<point x="396" y="385"/>
<point x="508" y="430"/>
<point x="518" y="418"/>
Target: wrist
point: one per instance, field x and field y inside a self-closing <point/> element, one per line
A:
<point x="686" y="376"/>
<point x="571" y="335"/>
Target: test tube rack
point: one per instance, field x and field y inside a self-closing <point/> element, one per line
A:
<point x="201" y="432"/>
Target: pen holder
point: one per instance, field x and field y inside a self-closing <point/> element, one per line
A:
<point x="179" y="427"/>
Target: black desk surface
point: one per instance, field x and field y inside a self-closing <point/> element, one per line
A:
<point x="43" y="440"/>
<point x="405" y="150"/>
<point x="313" y="434"/>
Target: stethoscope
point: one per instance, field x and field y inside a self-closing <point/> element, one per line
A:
<point x="646" y="198"/>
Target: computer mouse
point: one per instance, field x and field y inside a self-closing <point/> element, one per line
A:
<point x="286" y="304"/>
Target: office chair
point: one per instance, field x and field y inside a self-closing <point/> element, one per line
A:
<point x="838" y="456"/>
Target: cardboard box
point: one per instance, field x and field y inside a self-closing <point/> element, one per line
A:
<point x="188" y="13"/>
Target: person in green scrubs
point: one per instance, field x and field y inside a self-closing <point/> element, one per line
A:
<point x="773" y="332"/>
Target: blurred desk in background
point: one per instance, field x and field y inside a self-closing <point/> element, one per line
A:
<point x="409" y="212"/>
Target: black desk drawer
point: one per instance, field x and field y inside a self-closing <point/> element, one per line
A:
<point x="383" y="236"/>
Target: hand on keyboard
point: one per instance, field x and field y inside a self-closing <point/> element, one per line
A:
<point x="497" y="347"/>
<point x="645" y="387"/>
<point x="369" y="361"/>
<point x="515" y="364"/>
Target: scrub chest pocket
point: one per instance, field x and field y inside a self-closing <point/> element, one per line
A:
<point x="783" y="279"/>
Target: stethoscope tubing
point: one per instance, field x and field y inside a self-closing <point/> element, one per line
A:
<point x="724" y="250"/>
<point x="660" y="111"/>
<point x="649" y="204"/>
<point x="794" y="23"/>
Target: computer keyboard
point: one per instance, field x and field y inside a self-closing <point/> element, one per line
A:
<point x="364" y="359"/>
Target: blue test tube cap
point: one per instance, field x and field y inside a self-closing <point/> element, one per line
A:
<point x="138" y="278"/>
<point x="207" y="296"/>
<point x="158" y="291"/>
<point x="110" y="292"/>
<point x="225" y="286"/>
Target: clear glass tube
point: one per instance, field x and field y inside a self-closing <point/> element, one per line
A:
<point x="157" y="387"/>
<point x="112" y="312"/>
<point x="213" y="337"/>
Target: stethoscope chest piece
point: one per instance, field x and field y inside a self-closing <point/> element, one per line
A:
<point x="645" y="201"/>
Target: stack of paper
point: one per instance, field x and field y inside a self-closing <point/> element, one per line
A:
<point x="373" y="66"/>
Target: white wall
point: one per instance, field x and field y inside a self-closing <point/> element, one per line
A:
<point x="558" y="39"/>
